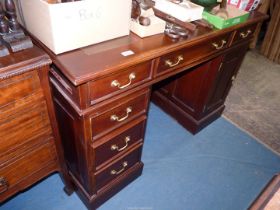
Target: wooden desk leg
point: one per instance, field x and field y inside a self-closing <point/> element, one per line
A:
<point x="62" y="168"/>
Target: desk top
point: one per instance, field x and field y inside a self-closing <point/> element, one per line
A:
<point x="95" y="61"/>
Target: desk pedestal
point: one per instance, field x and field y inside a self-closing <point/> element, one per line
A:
<point x="196" y="97"/>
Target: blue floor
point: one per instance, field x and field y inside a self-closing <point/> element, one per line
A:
<point x="220" y="168"/>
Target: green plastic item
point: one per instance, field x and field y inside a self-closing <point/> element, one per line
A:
<point x="207" y="4"/>
<point x="221" y="23"/>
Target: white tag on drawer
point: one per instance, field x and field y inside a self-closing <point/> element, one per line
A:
<point x="127" y="53"/>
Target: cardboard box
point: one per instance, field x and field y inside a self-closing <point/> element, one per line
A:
<point x="157" y="26"/>
<point x="235" y="16"/>
<point x="67" y="26"/>
<point x="248" y="5"/>
<point x="185" y="11"/>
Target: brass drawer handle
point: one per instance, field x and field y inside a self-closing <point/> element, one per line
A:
<point x="115" y="147"/>
<point x="124" y="165"/>
<point x="217" y="46"/>
<point x="244" y="35"/>
<point x="116" y="118"/>
<point x="4" y="183"/>
<point x="116" y="83"/>
<point x="170" y="64"/>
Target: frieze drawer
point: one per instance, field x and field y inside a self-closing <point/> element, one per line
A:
<point x="116" y="83"/>
<point x="191" y="54"/>
<point x="244" y="33"/>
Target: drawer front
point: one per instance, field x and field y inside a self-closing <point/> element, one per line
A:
<point x="244" y="33"/>
<point x="18" y="87"/>
<point x="22" y="168"/>
<point x="116" y="83"/>
<point x="24" y="128"/>
<point x="119" y="144"/>
<point x="117" y="168"/>
<point x="191" y="54"/>
<point x="118" y="113"/>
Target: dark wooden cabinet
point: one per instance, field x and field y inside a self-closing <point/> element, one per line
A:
<point x="196" y="96"/>
<point x="101" y="98"/>
<point x="29" y="142"/>
<point x="102" y="145"/>
<point x="224" y="77"/>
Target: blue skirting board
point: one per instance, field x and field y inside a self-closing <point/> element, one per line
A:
<point x="220" y="168"/>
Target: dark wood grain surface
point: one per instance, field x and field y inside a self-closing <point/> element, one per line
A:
<point x="101" y="97"/>
<point x="23" y="61"/>
<point x="100" y="59"/>
<point x="30" y="143"/>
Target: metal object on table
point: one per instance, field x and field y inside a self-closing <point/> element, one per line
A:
<point x="11" y="15"/>
<point x="175" y="32"/>
<point x="12" y="35"/>
<point x="3" y="50"/>
<point x="17" y="41"/>
<point x="4" y="28"/>
<point x="4" y="25"/>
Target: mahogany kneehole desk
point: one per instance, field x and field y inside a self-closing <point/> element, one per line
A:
<point x="101" y="98"/>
